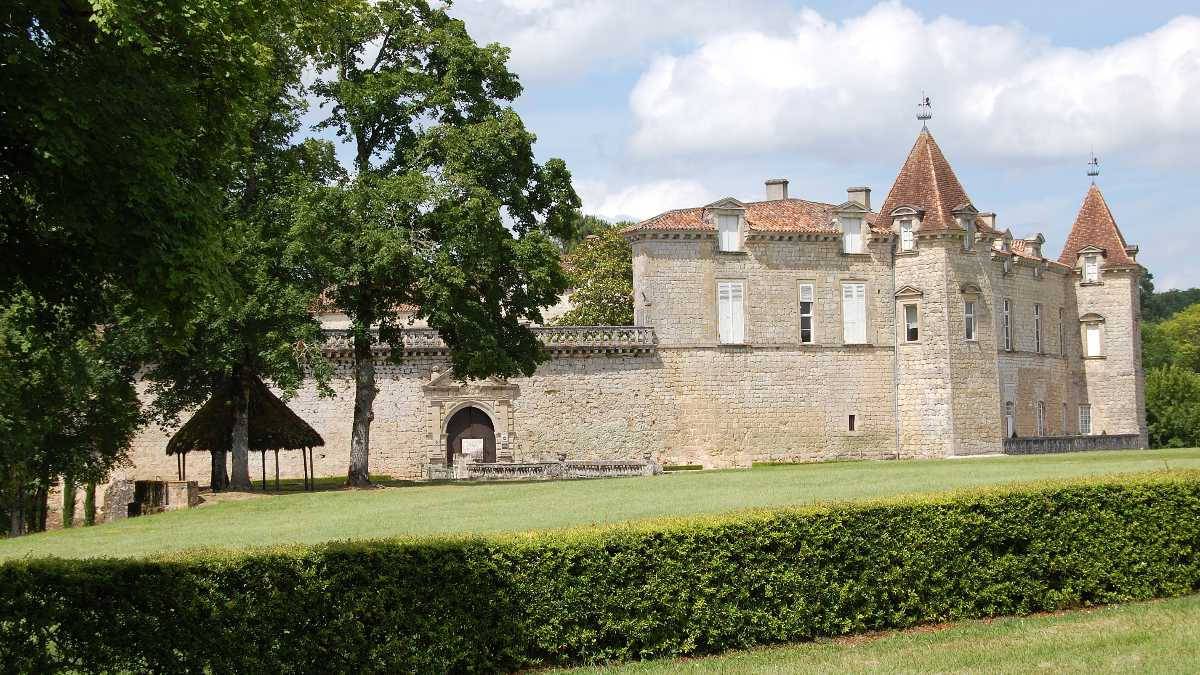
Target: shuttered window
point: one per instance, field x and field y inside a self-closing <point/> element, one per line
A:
<point x="1092" y="331"/>
<point x="806" y="313"/>
<point x="852" y="239"/>
<point x="911" y="329"/>
<point x="1091" y="268"/>
<point x="1041" y="418"/>
<point x="730" y="311"/>
<point x="1008" y="332"/>
<point x="854" y="313"/>
<point x="969" y="319"/>
<point x="906" y="235"/>
<point x="730" y="235"/>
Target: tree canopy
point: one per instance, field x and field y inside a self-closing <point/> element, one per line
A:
<point x="445" y="209"/>
<point x="601" y="269"/>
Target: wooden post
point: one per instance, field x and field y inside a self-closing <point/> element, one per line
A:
<point x="277" y="469"/>
<point x="179" y="465"/>
<point x="312" y="472"/>
<point x="184" y="455"/>
<point x="304" y="460"/>
<point x="264" y="470"/>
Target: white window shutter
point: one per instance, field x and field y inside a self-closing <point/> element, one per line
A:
<point x="854" y="314"/>
<point x="738" y="331"/>
<point x="1093" y="340"/>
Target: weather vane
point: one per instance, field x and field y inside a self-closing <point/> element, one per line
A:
<point x="1094" y="168"/>
<point x="924" y="110"/>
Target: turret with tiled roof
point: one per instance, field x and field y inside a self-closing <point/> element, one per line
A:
<point x="928" y="184"/>
<point x="1096" y="228"/>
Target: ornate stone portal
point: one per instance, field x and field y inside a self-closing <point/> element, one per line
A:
<point x="447" y="396"/>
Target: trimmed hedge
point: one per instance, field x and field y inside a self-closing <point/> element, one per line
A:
<point x="658" y="589"/>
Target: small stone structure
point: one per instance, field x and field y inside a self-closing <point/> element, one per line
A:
<point x="132" y="498"/>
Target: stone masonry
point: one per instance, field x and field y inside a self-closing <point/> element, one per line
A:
<point x="674" y="389"/>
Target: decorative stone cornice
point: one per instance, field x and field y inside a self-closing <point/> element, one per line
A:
<point x="559" y="340"/>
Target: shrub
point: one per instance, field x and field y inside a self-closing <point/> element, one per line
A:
<point x="656" y="589"/>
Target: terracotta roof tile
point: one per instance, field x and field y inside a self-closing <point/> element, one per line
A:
<point x="927" y="182"/>
<point x="1095" y="226"/>
<point x="780" y="215"/>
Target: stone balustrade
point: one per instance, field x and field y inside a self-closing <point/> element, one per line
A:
<point x="562" y="340"/>
<point x="545" y="470"/>
<point x="1043" y="445"/>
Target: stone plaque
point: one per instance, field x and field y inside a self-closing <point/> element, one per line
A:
<point x="472" y="446"/>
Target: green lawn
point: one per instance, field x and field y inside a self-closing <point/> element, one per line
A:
<point x="506" y="507"/>
<point x="1161" y="636"/>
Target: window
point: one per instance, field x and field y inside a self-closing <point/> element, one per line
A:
<point x="1041" y="418"/>
<point x="850" y="423"/>
<point x="1091" y="268"/>
<point x="730" y="232"/>
<point x="1062" y="349"/>
<point x="1092" y="333"/>
<point x="1037" y="329"/>
<point x="969" y="236"/>
<point x="1007" y="317"/>
<point x="806" y="313"/>
<point x="911" y="332"/>
<point x="1064" y="419"/>
<point x="907" y="242"/>
<point x="1010" y="423"/>
<point x="1085" y="419"/>
<point x="854" y="313"/>
<point x="852" y="239"/>
<point x="969" y="319"/>
<point x="732" y="321"/>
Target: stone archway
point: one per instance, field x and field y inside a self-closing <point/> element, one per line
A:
<point x="470" y="430"/>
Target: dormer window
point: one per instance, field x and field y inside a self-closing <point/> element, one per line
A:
<point x="852" y="235"/>
<point x="1091" y="269"/>
<point x="969" y="234"/>
<point x="729" y="232"/>
<point x="907" y="238"/>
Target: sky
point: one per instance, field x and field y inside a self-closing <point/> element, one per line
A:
<point x="660" y="104"/>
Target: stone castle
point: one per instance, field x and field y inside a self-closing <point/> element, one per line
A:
<point x="785" y="330"/>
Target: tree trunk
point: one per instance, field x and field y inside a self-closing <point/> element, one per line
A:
<point x="89" y="505"/>
<point x="240" y="441"/>
<point x="364" y="403"/>
<point x="16" y="517"/>
<point x="41" y="499"/>
<point x="69" y="493"/>
<point x="220" y="476"/>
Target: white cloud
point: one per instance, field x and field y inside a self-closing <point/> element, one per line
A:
<point x="834" y="89"/>
<point x="638" y="202"/>
<point x="561" y="38"/>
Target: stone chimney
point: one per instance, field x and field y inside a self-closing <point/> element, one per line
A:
<point x="988" y="218"/>
<point x="862" y="195"/>
<point x="777" y="189"/>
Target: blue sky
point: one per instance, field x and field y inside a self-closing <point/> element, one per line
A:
<point x="658" y="104"/>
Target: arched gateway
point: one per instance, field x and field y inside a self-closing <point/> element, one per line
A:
<point x="470" y="431"/>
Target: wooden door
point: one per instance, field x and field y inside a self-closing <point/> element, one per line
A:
<point x="470" y="423"/>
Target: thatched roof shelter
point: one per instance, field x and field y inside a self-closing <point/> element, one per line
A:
<point x="273" y="425"/>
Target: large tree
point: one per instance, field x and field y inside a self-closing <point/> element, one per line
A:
<point x="601" y="269"/>
<point x="68" y="407"/>
<point x="264" y="327"/>
<point x="445" y="209"/>
<point x="117" y="120"/>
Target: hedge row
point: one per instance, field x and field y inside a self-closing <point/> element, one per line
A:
<point x="661" y="589"/>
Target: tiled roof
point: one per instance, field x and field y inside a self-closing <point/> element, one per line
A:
<point x="780" y="215"/>
<point x="1023" y="249"/>
<point x="1095" y="226"/>
<point x="927" y="182"/>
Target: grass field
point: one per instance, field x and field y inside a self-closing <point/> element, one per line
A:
<point x="495" y="507"/>
<point x="1161" y="636"/>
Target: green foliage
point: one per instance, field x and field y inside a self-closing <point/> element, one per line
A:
<point x="1162" y="305"/>
<point x="1183" y="332"/>
<point x="67" y="401"/>
<point x="670" y="588"/>
<point x="1173" y="407"/>
<point x="585" y="226"/>
<point x="117" y="120"/>
<point x="601" y="269"/>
